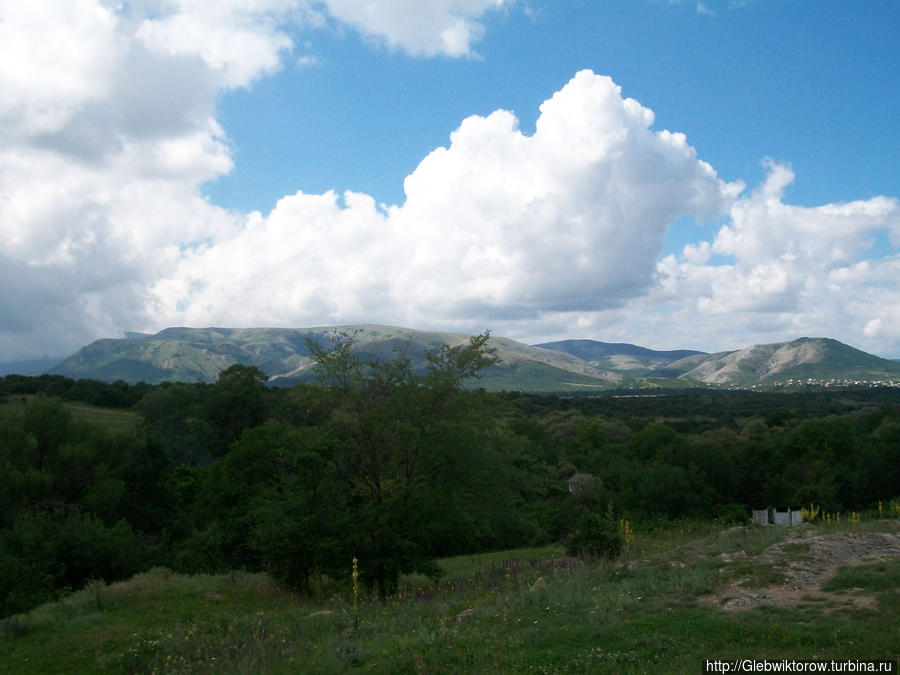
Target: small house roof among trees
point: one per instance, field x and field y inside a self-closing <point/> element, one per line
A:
<point x="578" y="481"/>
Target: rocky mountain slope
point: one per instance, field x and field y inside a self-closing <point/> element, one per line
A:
<point x="802" y="359"/>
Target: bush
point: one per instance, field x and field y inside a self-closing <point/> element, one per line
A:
<point x="731" y="514"/>
<point x="595" y="536"/>
<point x="48" y="551"/>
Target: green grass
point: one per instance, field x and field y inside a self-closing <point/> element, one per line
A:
<point x="534" y="376"/>
<point x="12" y="405"/>
<point x="880" y="576"/>
<point x="114" y="420"/>
<point x="487" y="615"/>
<point x="465" y="565"/>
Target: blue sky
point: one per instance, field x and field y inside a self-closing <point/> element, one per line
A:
<point x="814" y="85"/>
<point x="243" y="163"/>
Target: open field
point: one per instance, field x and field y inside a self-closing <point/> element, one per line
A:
<point x="681" y="594"/>
<point x="114" y="420"/>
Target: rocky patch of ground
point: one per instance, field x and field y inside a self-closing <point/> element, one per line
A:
<point x="802" y="564"/>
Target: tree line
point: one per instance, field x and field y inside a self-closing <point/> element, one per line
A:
<point x="396" y="467"/>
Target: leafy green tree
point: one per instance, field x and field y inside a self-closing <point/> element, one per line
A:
<point x="880" y="463"/>
<point x="20" y="482"/>
<point x="48" y="422"/>
<point x="171" y="413"/>
<point x="149" y="502"/>
<point x="264" y="505"/>
<point x="234" y="403"/>
<point x="60" y="547"/>
<point x="299" y="520"/>
<point x="398" y="435"/>
<point x="663" y="489"/>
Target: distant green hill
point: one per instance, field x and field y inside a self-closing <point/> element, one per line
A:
<point x="199" y="354"/>
<point x="624" y="358"/>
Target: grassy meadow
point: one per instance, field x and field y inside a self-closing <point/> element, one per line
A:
<point x="113" y="420"/>
<point x="661" y="608"/>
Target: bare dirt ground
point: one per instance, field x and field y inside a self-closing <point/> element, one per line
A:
<point x="804" y="562"/>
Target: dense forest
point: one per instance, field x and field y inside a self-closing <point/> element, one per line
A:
<point x="396" y="467"/>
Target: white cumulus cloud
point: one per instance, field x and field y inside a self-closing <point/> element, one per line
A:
<point x="791" y="271"/>
<point x="496" y="225"/>
<point x="237" y="40"/>
<point x="107" y="130"/>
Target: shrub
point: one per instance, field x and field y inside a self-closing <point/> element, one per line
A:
<point x="595" y="536"/>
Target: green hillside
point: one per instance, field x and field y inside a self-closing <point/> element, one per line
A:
<point x="537" y="377"/>
<point x="630" y="360"/>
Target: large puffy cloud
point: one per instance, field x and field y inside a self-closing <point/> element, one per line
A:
<point x="107" y="130"/>
<point x="785" y="271"/>
<point x="81" y="242"/>
<point x="570" y="218"/>
<point x="498" y="225"/>
<point x="44" y="81"/>
<point x="104" y="138"/>
<point x="314" y="259"/>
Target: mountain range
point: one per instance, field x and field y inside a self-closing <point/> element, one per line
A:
<point x="199" y="354"/>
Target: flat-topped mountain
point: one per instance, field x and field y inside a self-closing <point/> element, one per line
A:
<point x="199" y="354"/>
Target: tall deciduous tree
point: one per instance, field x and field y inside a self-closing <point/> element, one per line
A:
<point x="48" y="422"/>
<point x="397" y="435"/>
<point x="234" y="403"/>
